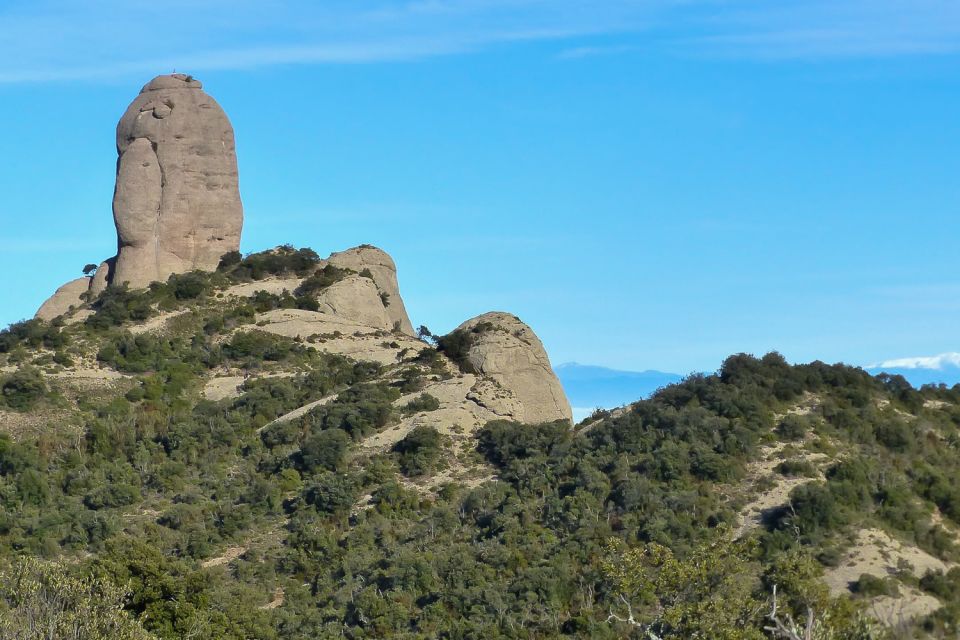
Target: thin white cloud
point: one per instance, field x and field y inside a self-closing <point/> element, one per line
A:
<point x="577" y="53"/>
<point x="55" y="40"/>
<point x="938" y="362"/>
<point x="834" y="28"/>
<point x="47" y="40"/>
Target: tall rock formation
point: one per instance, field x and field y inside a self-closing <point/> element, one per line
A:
<point x="506" y="350"/>
<point x="176" y="205"/>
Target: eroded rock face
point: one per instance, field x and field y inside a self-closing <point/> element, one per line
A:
<point x="507" y="351"/>
<point x="384" y="272"/>
<point x="357" y="299"/>
<point x="176" y="205"/>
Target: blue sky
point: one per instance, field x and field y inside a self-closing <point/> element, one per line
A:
<point x="650" y="184"/>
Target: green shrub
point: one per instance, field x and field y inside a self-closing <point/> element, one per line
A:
<point x="895" y="435"/>
<point x="258" y="345"/>
<point x="42" y="599"/>
<point x="360" y="410"/>
<point x="793" y="427"/>
<point x="423" y="402"/>
<point x="23" y="389"/>
<point x="280" y="261"/>
<point x="117" y="305"/>
<point x="419" y="451"/>
<point x="945" y="586"/>
<point x="31" y="333"/>
<point x="321" y="280"/>
<point x="797" y="468"/>
<point x="228" y="260"/>
<point x="331" y="493"/>
<point x="456" y="345"/>
<point x="188" y="286"/>
<point x="505" y="442"/>
<point x="870" y="586"/>
<point x="111" y="495"/>
<point x="324" y="450"/>
<point x="430" y="358"/>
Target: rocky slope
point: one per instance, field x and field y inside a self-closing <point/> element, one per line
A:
<point x="177" y="209"/>
<point x="207" y="441"/>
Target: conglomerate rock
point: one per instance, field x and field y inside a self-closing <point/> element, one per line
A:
<point x="384" y="272"/>
<point x="506" y="350"/>
<point x="63" y="298"/>
<point x="176" y="205"/>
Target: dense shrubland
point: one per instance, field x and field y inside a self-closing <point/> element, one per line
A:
<point x="620" y="528"/>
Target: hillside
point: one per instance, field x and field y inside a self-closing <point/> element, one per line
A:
<point x="229" y="467"/>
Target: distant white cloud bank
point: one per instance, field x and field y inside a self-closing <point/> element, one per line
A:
<point x="938" y="362"/>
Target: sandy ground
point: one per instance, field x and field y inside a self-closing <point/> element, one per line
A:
<point x="457" y="415"/>
<point x="278" y="598"/>
<point x="229" y="555"/>
<point x="223" y="387"/>
<point x="275" y="286"/>
<point x="157" y="322"/>
<point x="355" y="340"/>
<point x="895" y="610"/>
<point x="751" y="516"/>
<point x="83" y="375"/>
<point x="876" y="553"/>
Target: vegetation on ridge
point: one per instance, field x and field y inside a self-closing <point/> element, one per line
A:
<point x="231" y="519"/>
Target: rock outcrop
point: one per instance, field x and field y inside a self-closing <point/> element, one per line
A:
<point x="102" y="276"/>
<point x="384" y="272"/>
<point x="357" y="299"/>
<point x="507" y="351"/>
<point x="176" y="205"/>
<point x="67" y="296"/>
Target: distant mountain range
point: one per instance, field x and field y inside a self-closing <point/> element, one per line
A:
<point x="940" y="369"/>
<point x="590" y="387"/>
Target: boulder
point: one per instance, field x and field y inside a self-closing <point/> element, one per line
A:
<point x="63" y="298"/>
<point x="177" y="204"/>
<point x="357" y="299"/>
<point x="507" y="351"/>
<point x="102" y="277"/>
<point x="384" y="272"/>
